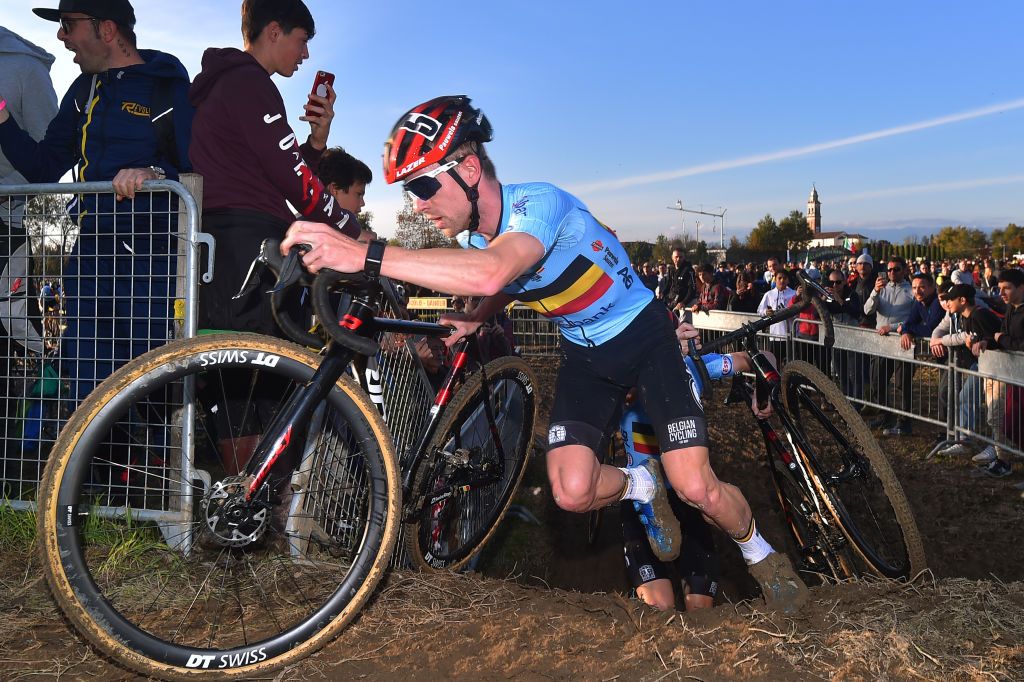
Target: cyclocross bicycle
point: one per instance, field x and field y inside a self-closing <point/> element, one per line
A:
<point x="288" y="468"/>
<point x="844" y="506"/>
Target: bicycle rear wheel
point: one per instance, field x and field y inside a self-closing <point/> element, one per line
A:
<point x="853" y="475"/>
<point x="468" y="481"/>
<point x="144" y="553"/>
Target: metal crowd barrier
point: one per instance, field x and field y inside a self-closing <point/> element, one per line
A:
<point x="138" y="272"/>
<point x="122" y="279"/>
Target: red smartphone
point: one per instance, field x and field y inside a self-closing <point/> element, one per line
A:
<point x="320" y="83"/>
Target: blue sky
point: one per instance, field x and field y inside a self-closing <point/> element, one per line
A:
<point x="905" y="115"/>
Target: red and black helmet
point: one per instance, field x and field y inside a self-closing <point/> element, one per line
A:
<point x="428" y="133"/>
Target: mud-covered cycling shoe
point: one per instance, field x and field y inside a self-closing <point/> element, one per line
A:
<point x="659" y="520"/>
<point x="780" y="586"/>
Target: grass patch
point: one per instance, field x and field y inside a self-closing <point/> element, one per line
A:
<point x="17" y="527"/>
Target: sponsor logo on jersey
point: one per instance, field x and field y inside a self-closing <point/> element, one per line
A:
<point x="519" y="208"/>
<point x="647" y="573"/>
<point x="135" y="109"/>
<point x="579" y="286"/>
<point x="682" y="431"/>
<point x="726" y="365"/>
<point x="644" y="440"/>
<point x="610" y="258"/>
<point x="597" y="246"/>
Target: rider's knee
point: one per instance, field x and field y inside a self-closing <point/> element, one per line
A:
<point x="574" y="491"/>
<point x="662" y="599"/>
<point x="700" y="493"/>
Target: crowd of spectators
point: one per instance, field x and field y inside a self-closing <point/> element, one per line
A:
<point x="961" y="308"/>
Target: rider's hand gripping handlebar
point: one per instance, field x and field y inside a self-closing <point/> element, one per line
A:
<point x="289" y="272"/>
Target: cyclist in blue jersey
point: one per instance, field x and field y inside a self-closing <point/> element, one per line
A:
<point x="539" y="244"/>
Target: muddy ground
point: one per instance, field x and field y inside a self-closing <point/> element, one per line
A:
<point x="546" y="604"/>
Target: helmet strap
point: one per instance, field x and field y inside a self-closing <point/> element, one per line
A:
<point x="473" y="194"/>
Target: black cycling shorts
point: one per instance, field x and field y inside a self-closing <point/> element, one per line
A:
<point x="697" y="564"/>
<point x="593" y="380"/>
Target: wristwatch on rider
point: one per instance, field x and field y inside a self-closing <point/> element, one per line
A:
<point x="374" y="256"/>
<point x="159" y="172"/>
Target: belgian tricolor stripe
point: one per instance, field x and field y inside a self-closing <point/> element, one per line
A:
<point x="644" y="440"/>
<point x="578" y="287"/>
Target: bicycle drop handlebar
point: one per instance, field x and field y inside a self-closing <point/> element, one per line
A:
<point x="356" y="328"/>
<point x="812" y="290"/>
<point x="290" y="272"/>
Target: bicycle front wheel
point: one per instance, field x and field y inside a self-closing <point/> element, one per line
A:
<point x="149" y="549"/>
<point x="473" y="466"/>
<point x="853" y="475"/>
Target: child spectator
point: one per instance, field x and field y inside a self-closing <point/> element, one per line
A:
<point x="710" y="295"/>
<point x="968" y="321"/>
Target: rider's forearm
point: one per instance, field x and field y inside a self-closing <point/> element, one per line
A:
<point x="452" y="271"/>
<point x="488" y="307"/>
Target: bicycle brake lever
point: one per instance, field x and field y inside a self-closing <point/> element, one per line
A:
<point x="249" y="283"/>
<point x="291" y="268"/>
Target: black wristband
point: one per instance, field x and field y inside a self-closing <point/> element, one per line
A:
<point x="374" y="256"/>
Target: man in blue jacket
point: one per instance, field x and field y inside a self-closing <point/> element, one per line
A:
<point x="925" y="314"/>
<point x="125" y="120"/>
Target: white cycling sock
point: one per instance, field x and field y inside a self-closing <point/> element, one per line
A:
<point x="754" y="547"/>
<point x="639" y="484"/>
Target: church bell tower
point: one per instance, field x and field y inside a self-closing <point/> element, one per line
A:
<point x="814" y="211"/>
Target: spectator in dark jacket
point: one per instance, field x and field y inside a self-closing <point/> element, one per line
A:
<point x="1011" y="291"/>
<point x="746" y="296"/>
<point x="682" y="285"/>
<point x="124" y="239"/>
<point x="862" y="284"/>
<point x="254" y="167"/>
<point x="847" y="310"/>
<point x="1006" y="414"/>
<point x="925" y="314"/>
<point x="848" y="307"/>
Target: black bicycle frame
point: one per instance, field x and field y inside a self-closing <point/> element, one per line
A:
<point x="281" y="447"/>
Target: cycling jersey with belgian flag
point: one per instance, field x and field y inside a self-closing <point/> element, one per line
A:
<point x="584" y="282"/>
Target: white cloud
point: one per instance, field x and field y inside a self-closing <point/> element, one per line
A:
<point x="621" y="183"/>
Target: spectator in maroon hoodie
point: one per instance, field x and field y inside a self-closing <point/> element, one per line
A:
<point x="251" y="160"/>
<point x="253" y="166"/>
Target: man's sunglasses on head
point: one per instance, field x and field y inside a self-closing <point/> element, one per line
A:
<point x="425" y="186"/>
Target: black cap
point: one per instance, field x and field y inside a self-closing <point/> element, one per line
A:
<point x="118" y="11"/>
<point x="959" y="291"/>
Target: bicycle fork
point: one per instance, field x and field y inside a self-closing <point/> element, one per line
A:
<point x="279" y="449"/>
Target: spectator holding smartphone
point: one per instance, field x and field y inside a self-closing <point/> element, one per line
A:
<point x="253" y="167"/>
<point x="251" y="161"/>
